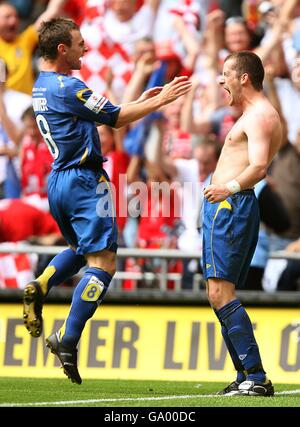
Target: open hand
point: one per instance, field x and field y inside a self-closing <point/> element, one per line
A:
<point x="177" y="87"/>
<point x="149" y="93"/>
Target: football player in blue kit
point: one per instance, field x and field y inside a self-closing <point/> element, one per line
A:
<point x="231" y="216"/>
<point x="67" y="113"/>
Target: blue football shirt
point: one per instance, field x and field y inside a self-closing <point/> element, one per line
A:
<point x="67" y="112"/>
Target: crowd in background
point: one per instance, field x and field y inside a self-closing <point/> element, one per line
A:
<point x="134" y="45"/>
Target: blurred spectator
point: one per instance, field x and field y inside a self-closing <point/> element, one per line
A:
<point x="36" y="161"/>
<point x="25" y="174"/>
<point x="285" y="173"/>
<point x="30" y="10"/>
<point x="290" y="93"/>
<point x="167" y="29"/>
<point x="158" y="206"/>
<point x="155" y="65"/>
<point x="177" y="143"/>
<point x="9" y="160"/>
<point x="125" y="23"/>
<point x="192" y="175"/>
<point x="238" y="35"/>
<point x="279" y="231"/>
<point x="274" y="218"/>
<point x="178" y="61"/>
<point x="23" y="7"/>
<point x="148" y="73"/>
<point x="78" y="9"/>
<point x="231" y="7"/>
<point x="116" y="167"/>
<point x="145" y="63"/>
<point x="158" y="211"/>
<point x="9" y="177"/>
<point x="19" y="221"/>
<point x="17" y="48"/>
<point x="283" y="17"/>
<point x="289" y="280"/>
<point x="110" y="35"/>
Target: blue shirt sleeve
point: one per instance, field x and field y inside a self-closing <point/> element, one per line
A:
<point x="85" y="103"/>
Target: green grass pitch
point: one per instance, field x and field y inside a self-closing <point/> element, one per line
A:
<point x="121" y="393"/>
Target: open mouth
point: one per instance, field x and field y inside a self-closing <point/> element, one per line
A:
<point x="227" y="93"/>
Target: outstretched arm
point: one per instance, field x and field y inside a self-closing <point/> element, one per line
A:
<point x="152" y="100"/>
<point x="53" y="9"/>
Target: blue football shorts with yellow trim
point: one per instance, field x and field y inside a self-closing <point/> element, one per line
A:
<point x="81" y="202"/>
<point x="230" y="233"/>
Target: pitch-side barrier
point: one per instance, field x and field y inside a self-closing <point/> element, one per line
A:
<point x="162" y="292"/>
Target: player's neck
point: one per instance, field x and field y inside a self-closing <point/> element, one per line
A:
<point x="55" y="66"/>
<point x="250" y="98"/>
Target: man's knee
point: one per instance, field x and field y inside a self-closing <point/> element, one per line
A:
<point x="215" y="296"/>
<point x="105" y="260"/>
<point x="220" y="292"/>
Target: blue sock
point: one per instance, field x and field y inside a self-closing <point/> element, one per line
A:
<point x="61" y="267"/>
<point x="88" y="293"/>
<point x="234" y="357"/>
<point x="240" y="332"/>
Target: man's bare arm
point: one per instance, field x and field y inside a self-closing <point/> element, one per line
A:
<point x="258" y="130"/>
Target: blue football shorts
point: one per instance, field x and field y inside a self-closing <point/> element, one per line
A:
<point x="230" y="233"/>
<point x="81" y="202"/>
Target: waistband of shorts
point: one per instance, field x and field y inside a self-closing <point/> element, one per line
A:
<point x="92" y="165"/>
<point x="244" y="192"/>
<point x="95" y="166"/>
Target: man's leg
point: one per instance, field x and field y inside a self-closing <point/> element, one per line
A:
<point x="238" y="329"/>
<point x="88" y="294"/>
<point x="61" y="267"/>
<point x="228" y="295"/>
<point x="241" y="375"/>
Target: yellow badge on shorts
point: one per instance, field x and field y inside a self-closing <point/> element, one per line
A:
<point x="93" y="290"/>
